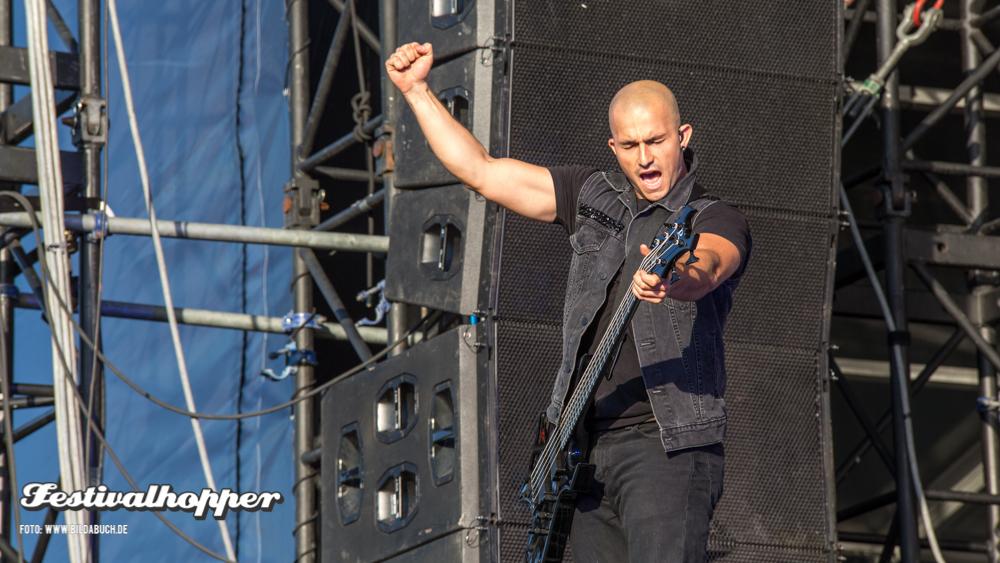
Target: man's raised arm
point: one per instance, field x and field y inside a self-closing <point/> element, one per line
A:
<point x="523" y="188"/>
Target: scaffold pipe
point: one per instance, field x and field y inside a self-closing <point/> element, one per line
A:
<point x="86" y="223"/>
<point x="219" y="319"/>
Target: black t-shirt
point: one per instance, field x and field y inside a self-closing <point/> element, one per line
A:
<point x="621" y="400"/>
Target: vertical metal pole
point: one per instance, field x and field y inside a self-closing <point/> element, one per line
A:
<point x="6" y="39"/>
<point x="6" y="282"/>
<point x="991" y="444"/>
<point x="91" y="372"/>
<point x="396" y="321"/>
<point x="298" y="111"/>
<point x="895" y="208"/>
<point x="977" y="199"/>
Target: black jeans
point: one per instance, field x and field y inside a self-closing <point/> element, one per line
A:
<point x="646" y="505"/>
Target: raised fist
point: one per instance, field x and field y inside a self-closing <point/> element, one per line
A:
<point x="409" y="65"/>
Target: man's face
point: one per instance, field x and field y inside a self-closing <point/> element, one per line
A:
<point x="648" y="147"/>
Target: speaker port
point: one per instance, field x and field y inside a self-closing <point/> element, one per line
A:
<point x="396" y="409"/>
<point x="446" y="13"/>
<point x="442" y="434"/>
<point x="396" y="498"/>
<point x="349" y="470"/>
<point x="441" y="247"/>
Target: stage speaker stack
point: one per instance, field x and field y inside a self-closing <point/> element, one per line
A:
<point x="759" y="82"/>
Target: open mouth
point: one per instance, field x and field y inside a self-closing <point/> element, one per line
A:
<point x="650" y="179"/>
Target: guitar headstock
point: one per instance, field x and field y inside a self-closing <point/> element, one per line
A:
<point x="676" y="240"/>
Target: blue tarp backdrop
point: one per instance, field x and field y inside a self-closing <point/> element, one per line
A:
<point x="207" y="80"/>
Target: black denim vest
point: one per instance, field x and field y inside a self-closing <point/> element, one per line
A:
<point x="679" y="343"/>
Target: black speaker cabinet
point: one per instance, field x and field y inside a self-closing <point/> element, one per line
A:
<point x="452" y="26"/>
<point x="464" y="86"/>
<point x="436" y="240"/>
<point x="401" y="456"/>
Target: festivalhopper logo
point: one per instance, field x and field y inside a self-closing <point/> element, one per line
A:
<point x="38" y="496"/>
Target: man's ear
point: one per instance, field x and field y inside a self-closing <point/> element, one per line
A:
<point x="686" y="132"/>
<point x="611" y="144"/>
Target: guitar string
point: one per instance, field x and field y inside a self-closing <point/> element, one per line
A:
<point x="579" y="398"/>
<point x="558" y="441"/>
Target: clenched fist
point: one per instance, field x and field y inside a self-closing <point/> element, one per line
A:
<point x="409" y="65"/>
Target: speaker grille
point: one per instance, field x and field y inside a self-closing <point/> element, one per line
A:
<point x="528" y="356"/>
<point x="790" y="38"/>
<point x="758" y="82"/>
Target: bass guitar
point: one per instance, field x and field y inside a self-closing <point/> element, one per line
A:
<point x="559" y="473"/>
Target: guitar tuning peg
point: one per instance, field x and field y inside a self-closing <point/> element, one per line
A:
<point x="692" y="259"/>
<point x="673" y="278"/>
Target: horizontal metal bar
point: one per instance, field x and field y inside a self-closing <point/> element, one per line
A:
<point x="356" y="209"/>
<point x="951" y="168"/>
<point x="867" y="506"/>
<point x="18" y="165"/>
<point x="338" y="146"/>
<point x="879" y="370"/>
<point x="14" y="68"/>
<point x="31" y="389"/>
<point x="961" y="496"/>
<point x="16" y="121"/>
<point x="346" y="174"/>
<point x="367" y="35"/>
<point x="85" y="223"/>
<point x="216" y="319"/>
<point x="29" y="402"/>
<point x="925" y="98"/>
<point x="948" y="545"/>
<point x="951" y="249"/>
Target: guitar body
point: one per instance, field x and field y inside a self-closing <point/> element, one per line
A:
<point x="551" y="522"/>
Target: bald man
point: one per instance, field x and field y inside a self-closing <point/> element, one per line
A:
<point x="657" y="421"/>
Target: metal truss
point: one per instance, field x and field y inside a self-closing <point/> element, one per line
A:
<point x="77" y="73"/>
<point x="897" y="247"/>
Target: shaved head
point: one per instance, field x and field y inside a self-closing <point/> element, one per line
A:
<point x="643" y="95"/>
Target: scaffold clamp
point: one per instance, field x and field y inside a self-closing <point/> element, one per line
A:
<point x="293" y="359"/>
<point x="987" y="404"/>
<point x="294" y="321"/>
<point x="380" y="309"/>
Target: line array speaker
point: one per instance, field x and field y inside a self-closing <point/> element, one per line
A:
<point x="759" y="83"/>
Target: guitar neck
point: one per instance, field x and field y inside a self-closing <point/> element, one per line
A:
<point x="599" y="363"/>
<point x="584" y="389"/>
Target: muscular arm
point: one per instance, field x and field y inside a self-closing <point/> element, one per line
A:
<point x="717" y="260"/>
<point x="523" y="188"/>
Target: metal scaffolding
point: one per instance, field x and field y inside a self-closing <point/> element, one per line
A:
<point x="898" y="247"/>
<point x="303" y="230"/>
